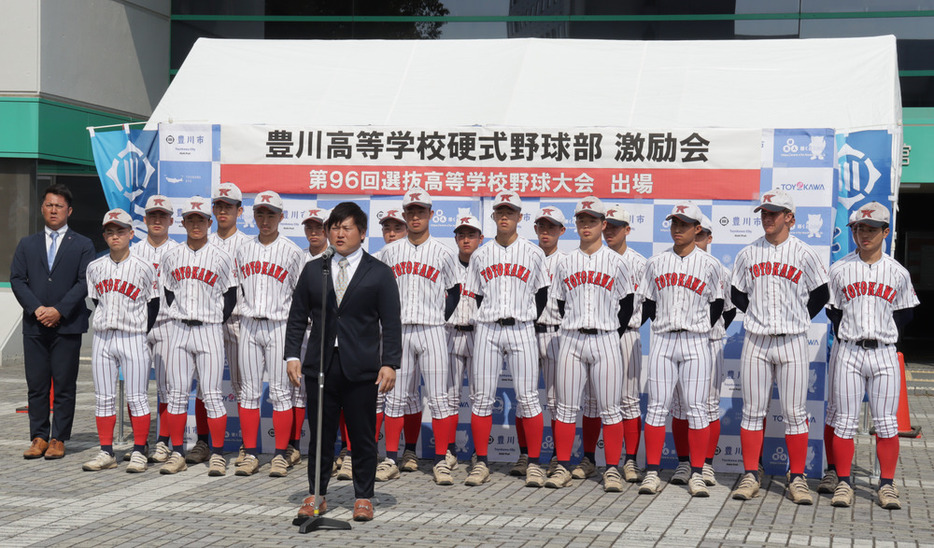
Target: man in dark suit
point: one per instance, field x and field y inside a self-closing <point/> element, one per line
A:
<point x="47" y="277"/>
<point x="361" y="297"/>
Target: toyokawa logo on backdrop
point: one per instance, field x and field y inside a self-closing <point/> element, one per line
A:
<point x="131" y="171"/>
<point x="801" y="186"/>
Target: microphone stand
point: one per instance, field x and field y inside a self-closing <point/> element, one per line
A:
<point x="309" y="524"/>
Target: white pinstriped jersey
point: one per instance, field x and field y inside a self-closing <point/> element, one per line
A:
<point x="199" y="280"/>
<point x="682" y="288"/>
<point x="231" y="244"/>
<point x="868" y="294"/>
<point x="551" y="316"/>
<point x="635" y="262"/>
<point x="507" y="278"/>
<point x="268" y="275"/>
<point x="123" y="291"/>
<point x="778" y="280"/>
<point x="145" y="250"/>
<point x="591" y="286"/>
<point x="423" y="273"/>
<point x="466" y="310"/>
<point x="718" y="331"/>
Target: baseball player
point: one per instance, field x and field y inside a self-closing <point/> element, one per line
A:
<point x="510" y="280"/>
<point x="124" y="288"/>
<point x="683" y="287"/>
<point x="158" y="219"/>
<point x="593" y="288"/>
<point x="871" y="300"/>
<point x="201" y="291"/>
<point x="428" y="277"/>
<point x="468" y="235"/>
<point x="268" y="267"/>
<point x="549" y="227"/>
<point x="780" y="283"/>
<point x="618" y="222"/>
<point x="679" y="421"/>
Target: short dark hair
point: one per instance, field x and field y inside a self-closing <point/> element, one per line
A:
<point x="344" y="210"/>
<point x="59" y="190"/>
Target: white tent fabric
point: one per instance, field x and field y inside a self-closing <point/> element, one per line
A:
<point x="835" y="83"/>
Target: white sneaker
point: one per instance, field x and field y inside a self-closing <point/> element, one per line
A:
<point x="534" y="475"/>
<point x="888" y="497"/>
<point x="479" y="474"/>
<point x="748" y="487"/>
<point x="387" y="470"/>
<point x="103" y="461"/>
<point x="161" y="453"/>
<point x="241" y="454"/>
<point x="650" y="484"/>
<point x="442" y="474"/>
<point x="631" y="472"/>
<point x="293" y="455"/>
<point x="138" y="463"/>
<point x="451" y="460"/>
<point x="217" y="466"/>
<point x="561" y="478"/>
<point x="697" y="487"/>
<point x="409" y="461"/>
<point x="682" y="474"/>
<point x="612" y="480"/>
<point x="709" y="477"/>
<point x="174" y="464"/>
<point x="799" y="492"/>
<point x="346" y="470"/>
<point x="843" y="495"/>
<point x="248" y="466"/>
<point x="278" y="467"/>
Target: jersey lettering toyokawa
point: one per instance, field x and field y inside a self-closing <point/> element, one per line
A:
<point x="151" y="254"/>
<point x="507" y="277"/>
<point x="635" y="262"/>
<point x="423" y="274"/>
<point x="199" y="280"/>
<point x="123" y="291"/>
<point x="778" y="280"/>
<point x="551" y="316"/>
<point x="466" y="310"/>
<point x="682" y="288"/>
<point x="591" y="286"/>
<point x="268" y="275"/>
<point x="230" y="245"/>
<point x="718" y="331"/>
<point x="868" y="294"/>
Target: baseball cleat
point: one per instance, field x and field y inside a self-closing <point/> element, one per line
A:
<point x="278" y="467"/>
<point x="409" y="461"/>
<point x="241" y="454"/>
<point x="442" y="474"/>
<point x="828" y="483"/>
<point x="631" y="472"/>
<point x="451" y="460"/>
<point x="799" y="492"/>
<point x="346" y="470"/>
<point x="682" y="474"/>
<point x="138" y="463"/>
<point x="650" y="484"/>
<point x="520" y="468"/>
<point x="129" y="454"/>
<point x="697" y="487"/>
<point x="386" y="470"/>
<point x="748" y="487"/>
<point x="293" y="455"/>
<point x="479" y="474"/>
<point x="174" y="464"/>
<point x="612" y="480"/>
<point x="161" y="453"/>
<point x="709" y="477"/>
<point x="888" y="497"/>
<point x="248" y="466"/>
<point x="843" y="495"/>
<point x="103" y="461"/>
<point x="199" y="453"/>
<point x="561" y="478"/>
<point x="217" y="465"/>
<point x="534" y="475"/>
<point x="584" y="470"/>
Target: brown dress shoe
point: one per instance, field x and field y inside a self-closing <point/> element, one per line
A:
<point x="37" y="449"/>
<point x="362" y="510"/>
<point x="308" y="507"/>
<point x="56" y="449"/>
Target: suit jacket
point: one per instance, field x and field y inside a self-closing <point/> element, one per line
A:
<point x="371" y="302"/>
<point x="64" y="287"/>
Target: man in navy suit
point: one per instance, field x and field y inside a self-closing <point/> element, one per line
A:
<point x="47" y="277"/>
<point x="361" y="296"/>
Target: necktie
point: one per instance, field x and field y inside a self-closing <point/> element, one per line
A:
<point x="54" y="236"/>
<point x="340" y="286"/>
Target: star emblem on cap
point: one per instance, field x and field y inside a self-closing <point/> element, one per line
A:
<point x="587" y="204"/>
<point x="158" y="201"/>
<point x="114" y="215"/>
<point x="223" y="191"/>
<point x="265" y="198"/>
<point x="866" y="213"/>
<point x="767" y="198"/>
<point x="680" y="208"/>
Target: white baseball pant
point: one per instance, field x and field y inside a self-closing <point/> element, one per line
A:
<point x="518" y="345"/>
<point x="678" y="359"/>
<point x="857" y="371"/>
<point x="196" y="349"/>
<point x="593" y="360"/>
<point x="261" y="350"/>
<point x="783" y="358"/>
<point x="111" y="349"/>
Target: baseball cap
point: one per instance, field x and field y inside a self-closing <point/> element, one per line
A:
<point x="776" y="200"/>
<point x="617" y="216"/>
<point x="706" y="223"/>
<point x="508" y="198"/>
<point x="228" y="192"/>
<point x="590" y="205"/>
<point x="416" y="196"/>
<point x="872" y="214"/>
<point x="269" y="200"/>
<point x="316" y="214"/>
<point x="196" y="204"/>
<point x="687" y="212"/>
<point x="117" y="217"/>
<point x="552" y="214"/>
<point x="395" y="214"/>
<point x="158" y="202"/>
<point x="468" y="220"/>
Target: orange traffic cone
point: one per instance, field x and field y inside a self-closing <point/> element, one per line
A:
<point x="905" y="430"/>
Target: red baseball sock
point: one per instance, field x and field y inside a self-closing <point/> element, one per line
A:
<point x="345" y="437"/>
<point x="843" y="451"/>
<point x="612" y="443"/>
<point x="480" y="428"/>
<point x="828" y="445"/>
<point x="798" y="451"/>
<point x="534" y="430"/>
<point x="654" y="444"/>
<point x="141" y="426"/>
<point x="298" y="421"/>
<point x="379" y="424"/>
<point x="591" y="433"/>
<point x="751" y="443"/>
<point x="697" y="445"/>
<point x="249" y="427"/>
<point x="393" y="427"/>
<point x="176" y="423"/>
<point x="282" y="428"/>
<point x="218" y="428"/>
<point x="105" y="429"/>
<point x="439" y="427"/>
<point x="564" y="440"/>
<point x="714" y="439"/>
<point x="520" y="433"/>
<point x="632" y="430"/>
<point x="412" y="427"/>
<point x="201" y="417"/>
<point x="452" y="428"/>
<point x="679" y="431"/>
<point x="887" y="451"/>
<point x="163" y="423"/>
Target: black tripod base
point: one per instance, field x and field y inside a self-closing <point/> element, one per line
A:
<point x="309" y="524"/>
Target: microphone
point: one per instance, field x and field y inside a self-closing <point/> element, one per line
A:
<point x="328" y="253"/>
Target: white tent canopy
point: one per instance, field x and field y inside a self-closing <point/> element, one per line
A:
<point x="838" y="83"/>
